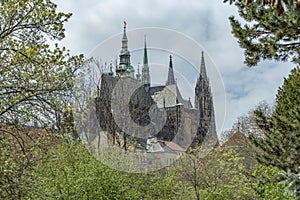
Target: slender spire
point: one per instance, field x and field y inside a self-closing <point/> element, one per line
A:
<point x="202" y="68"/>
<point x="204" y="105"/>
<point x="124" y="49"/>
<point x="145" y="59"/>
<point x="171" y="79"/>
<point x="202" y="90"/>
<point x="145" y="69"/>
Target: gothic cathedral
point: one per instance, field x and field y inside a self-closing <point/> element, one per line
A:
<point x="185" y="124"/>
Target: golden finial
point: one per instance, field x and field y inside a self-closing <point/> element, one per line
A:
<point x="124" y="24"/>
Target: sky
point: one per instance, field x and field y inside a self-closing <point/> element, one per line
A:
<point x="236" y="87"/>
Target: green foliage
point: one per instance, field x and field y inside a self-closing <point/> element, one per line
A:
<point x="267" y="32"/>
<point x="35" y="88"/>
<point x="281" y="142"/>
<point x="13" y="177"/>
<point x="271" y="31"/>
<point x="266" y="183"/>
<point x="293" y="184"/>
<point x="19" y="154"/>
<point x="36" y="79"/>
<point x="72" y="173"/>
<point x="219" y="175"/>
<point x="288" y="96"/>
<point x="68" y="171"/>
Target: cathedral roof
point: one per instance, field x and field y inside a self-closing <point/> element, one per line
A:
<point x="168" y="96"/>
<point x="156" y="89"/>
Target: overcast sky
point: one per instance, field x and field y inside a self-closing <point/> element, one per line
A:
<point x="205" y="22"/>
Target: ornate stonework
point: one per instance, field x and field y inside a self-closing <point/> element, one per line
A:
<point x="184" y="123"/>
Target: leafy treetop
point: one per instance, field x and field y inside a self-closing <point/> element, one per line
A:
<point x="35" y="77"/>
<point x="271" y="29"/>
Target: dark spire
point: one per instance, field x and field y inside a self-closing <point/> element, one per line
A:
<point x="145" y="69"/>
<point x="171" y="79"/>
<point x="202" y="67"/>
<point x="204" y="105"/>
<point x="202" y="90"/>
<point x="145" y="59"/>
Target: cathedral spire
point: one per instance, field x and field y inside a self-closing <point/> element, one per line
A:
<point x="145" y="69"/>
<point x="124" y="49"/>
<point x="204" y="105"/>
<point x="171" y="79"/>
<point x="145" y="59"/>
<point x="202" y="90"/>
<point x="203" y="68"/>
<point x="124" y="68"/>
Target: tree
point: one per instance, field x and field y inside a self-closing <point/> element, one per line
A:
<point x="293" y="184"/>
<point x="281" y="144"/>
<point x="19" y="154"/>
<point x="35" y="87"/>
<point x="266" y="183"/>
<point x="246" y="123"/>
<point x="271" y="29"/>
<point x="219" y="175"/>
<point x="36" y="79"/>
<point x="71" y="172"/>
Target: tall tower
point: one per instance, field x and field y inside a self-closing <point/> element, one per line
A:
<point x="124" y="68"/>
<point x="171" y="79"/>
<point x="145" y="69"/>
<point x="204" y="104"/>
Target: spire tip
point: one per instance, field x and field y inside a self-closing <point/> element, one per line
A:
<point x="125" y="24"/>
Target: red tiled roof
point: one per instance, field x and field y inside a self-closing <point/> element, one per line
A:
<point x="173" y="146"/>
